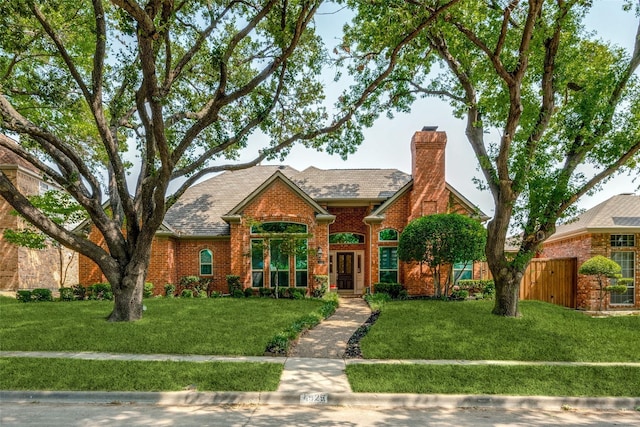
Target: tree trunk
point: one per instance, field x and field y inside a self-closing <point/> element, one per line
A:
<point x="127" y="292"/>
<point x="507" y="293"/>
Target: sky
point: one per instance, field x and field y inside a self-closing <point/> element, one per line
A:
<point x="387" y="143"/>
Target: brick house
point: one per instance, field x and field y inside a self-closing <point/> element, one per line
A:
<point x="611" y="229"/>
<point x="351" y="220"/>
<point x="23" y="268"/>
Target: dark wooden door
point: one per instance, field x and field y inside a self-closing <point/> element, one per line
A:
<point x="345" y="270"/>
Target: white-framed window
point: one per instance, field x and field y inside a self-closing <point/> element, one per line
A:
<point x="463" y="270"/>
<point x="257" y="263"/>
<point x="302" y="265"/>
<point x="206" y="262"/>
<point x="623" y="240"/>
<point x="278" y="264"/>
<point x="388" y="235"/>
<point x="626" y="261"/>
<point x="388" y="271"/>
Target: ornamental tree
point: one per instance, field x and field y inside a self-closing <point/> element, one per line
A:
<point x="183" y="85"/>
<point x="439" y="241"/>
<point x="565" y="105"/>
<point x="603" y="269"/>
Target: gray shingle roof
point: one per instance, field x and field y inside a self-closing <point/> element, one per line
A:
<point x="332" y="184"/>
<point x="198" y="212"/>
<point x="619" y="212"/>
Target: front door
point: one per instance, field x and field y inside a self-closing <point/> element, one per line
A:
<point x="345" y="270"/>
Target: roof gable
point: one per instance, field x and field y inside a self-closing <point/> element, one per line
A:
<point x="277" y="176"/>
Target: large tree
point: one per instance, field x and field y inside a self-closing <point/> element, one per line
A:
<point x="565" y="104"/>
<point x="184" y="84"/>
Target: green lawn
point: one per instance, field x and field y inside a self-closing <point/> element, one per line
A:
<point x="113" y="375"/>
<point x="468" y="330"/>
<point x="505" y="380"/>
<point x="217" y="326"/>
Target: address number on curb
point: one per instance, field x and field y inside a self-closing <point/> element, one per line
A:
<point x="314" y="398"/>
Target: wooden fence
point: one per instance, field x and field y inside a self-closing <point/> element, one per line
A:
<point x="552" y="280"/>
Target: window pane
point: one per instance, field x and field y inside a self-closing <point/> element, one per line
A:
<point x="346" y="238"/>
<point x="257" y="279"/>
<point x="205" y="270"/>
<point x="206" y="262"/>
<point x="283" y="278"/>
<point x="206" y="257"/>
<point x="257" y="255"/>
<point x="623" y="240"/>
<point x="279" y="259"/>
<point x="626" y="261"/>
<point x="389" y="258"/>
<point x="301" y="278"/>
<point x="388" y="235"/>
<point x="389" y="276"/>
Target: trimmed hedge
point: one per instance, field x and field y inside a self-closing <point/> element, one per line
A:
<point x="485" y="287"/>
<point x="394" y="290"/>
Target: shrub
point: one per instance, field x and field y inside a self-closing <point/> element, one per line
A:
<point x="392" y="289"/>
<point x="616" y="289"/>
<point x="237" y="293"/>
<point x="459" y="294"/>
<point x="321" y="285"/>
<point x="233" y="283"/>
<point x="100" y="291"/>
<point x="23" y="296"/>
<point x="377" y="300"/>
<point x="79" y="292"/>
<point x="476" y="286"/>
<point x="248" y="292"/>
<point x="186" y="293"/>
<point x="169" y="290"/>
<point x="265" y="292"/>
<point x="297" y="294"/>
<point x="215" y="294"/>
<point x="66" y="294"/>
<point x="41" y="294"/>
<point x="147" y="292"/>
<point x="195" y="284"/>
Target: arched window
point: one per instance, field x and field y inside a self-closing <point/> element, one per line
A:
<point x="346" y="238"/>
<point x="278" y="227"/>
<point x="388" y="235"/>
<point x="206" y="262"/>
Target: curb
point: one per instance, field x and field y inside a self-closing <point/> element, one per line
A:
<point x="186" y="398"/>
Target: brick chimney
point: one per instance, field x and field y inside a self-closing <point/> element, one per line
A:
<point x="428" y="195"/>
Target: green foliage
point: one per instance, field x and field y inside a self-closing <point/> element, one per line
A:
<point x="602" y="268"/>
<point x="79" y="292"/>
<point x="147" y="292"/>
<point x="391" y="289"/>
<point x="442" y="239"/>
<point x="459" y="294"/>
<point x="237" y="293"/>
<point x="41" y="294"/>
<point x="169" y="290"/>
<point x="233" y="283"/>
<point x="265" y="292"/>
<point x="99" y="292"/>
<point x="475" y="287"/>
<point x="23" y="295"/>
<point x="248" y="292"/>
<point x="186" y="293"/>
<point x="198" y="286"/>
<point x="616" y="289"/>
<point x="320" y="286"/>
<point x="377" y="300"/>
<point x="67" y="294"/>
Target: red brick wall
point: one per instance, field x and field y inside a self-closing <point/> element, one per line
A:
<point x="586" y="246"/>
<point x="188" y="261"/>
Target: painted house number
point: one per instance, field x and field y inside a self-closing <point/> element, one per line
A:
<point x="314" y="398"/>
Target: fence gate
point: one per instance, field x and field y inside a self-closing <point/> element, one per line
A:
<point x="551" y="280"/>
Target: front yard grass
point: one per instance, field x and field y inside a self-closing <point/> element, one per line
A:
<point x="217" y="326"/>
<point x="574" y="381"/>
<point x="467" y="330"/>
<point x="115" y="375"/>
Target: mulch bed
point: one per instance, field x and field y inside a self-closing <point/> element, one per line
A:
<point x="353" y="345"/>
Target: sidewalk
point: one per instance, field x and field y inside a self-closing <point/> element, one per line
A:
<point x="315" y="375"/>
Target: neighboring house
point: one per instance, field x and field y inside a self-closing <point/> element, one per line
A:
<point x="23" y="268"/>
<point x="611" y="229"/>
<point x="352" y="219"/>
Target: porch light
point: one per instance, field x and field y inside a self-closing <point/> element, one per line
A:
<point x="319" y="254"/>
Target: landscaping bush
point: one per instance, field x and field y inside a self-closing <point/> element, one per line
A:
<point x="392" y="289"/>
<point x="79" y="292"/>
<point x="474" y="287"/>
<point x="169" y="290"/>
<point x="265" y="292"/>
<point x="321" y="285"/>
<point x="297" y="294"/>
<point x="147" y="292"/>
<point x="248" y="292"/>
<point x="23" y="296"/>
<point x="66" y="294"/>
<point x="41" y="294"/>
<point x="198" y="286"/>
<point x="100" y="292"/>
<point x="459" y="294"/>
<point x="186" y="293"/>
<point x="237" y="293"/>
<point x="233" y="283"/>
<point x="377" y="300"/>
